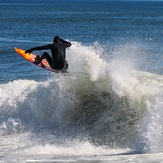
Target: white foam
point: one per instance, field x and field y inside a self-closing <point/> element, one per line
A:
<point x="73" y="148"/>
<point x="92" y="84"/>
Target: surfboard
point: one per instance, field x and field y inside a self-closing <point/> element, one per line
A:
<point x="44" y="64"/>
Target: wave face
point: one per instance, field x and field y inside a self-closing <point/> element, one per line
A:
<point x="103" y="101"/>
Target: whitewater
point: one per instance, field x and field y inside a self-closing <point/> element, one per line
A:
<point x="105" y="109"/>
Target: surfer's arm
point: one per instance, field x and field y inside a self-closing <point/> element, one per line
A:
<point x="68" y="44"/>
<point x="45" y="47"/>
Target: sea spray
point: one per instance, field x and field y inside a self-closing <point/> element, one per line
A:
<point x="104" y="103"/>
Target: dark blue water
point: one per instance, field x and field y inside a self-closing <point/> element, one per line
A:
<point x="26" y="24"/>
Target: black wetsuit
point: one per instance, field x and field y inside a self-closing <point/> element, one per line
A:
<point x="58" y="53"/>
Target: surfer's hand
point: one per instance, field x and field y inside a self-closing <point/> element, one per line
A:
<point x="29" y="51"/>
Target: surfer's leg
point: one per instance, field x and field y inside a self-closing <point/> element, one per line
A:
<point x="66" y="64"/>
<point x="64" y="70"/>
<point x="47" y="57"/>
<point x="38" y="59"/>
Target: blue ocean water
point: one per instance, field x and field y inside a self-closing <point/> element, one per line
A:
<point x="111" y="101"/>
<point x="27" y="24"/>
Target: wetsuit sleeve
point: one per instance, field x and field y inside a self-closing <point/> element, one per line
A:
<point x="45" y="47"/>
<point x="68" y="44"/>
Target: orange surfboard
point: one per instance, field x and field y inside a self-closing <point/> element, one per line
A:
<point x="31" y="58"/>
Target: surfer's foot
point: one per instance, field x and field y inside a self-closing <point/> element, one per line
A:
<point x="65" y="69"/>
<point x="38" y="59"/>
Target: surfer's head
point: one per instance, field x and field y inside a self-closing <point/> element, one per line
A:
<point x="56" y="39"/>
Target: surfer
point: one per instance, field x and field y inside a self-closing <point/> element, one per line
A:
<point x="58" y="50"/>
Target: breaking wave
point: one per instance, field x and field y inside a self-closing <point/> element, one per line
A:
<point x="102" y="102"/>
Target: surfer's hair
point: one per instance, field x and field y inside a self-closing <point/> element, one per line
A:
<point x="56" y="39"/>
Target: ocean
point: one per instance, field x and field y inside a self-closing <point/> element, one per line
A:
<point x="108" y="108"/>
